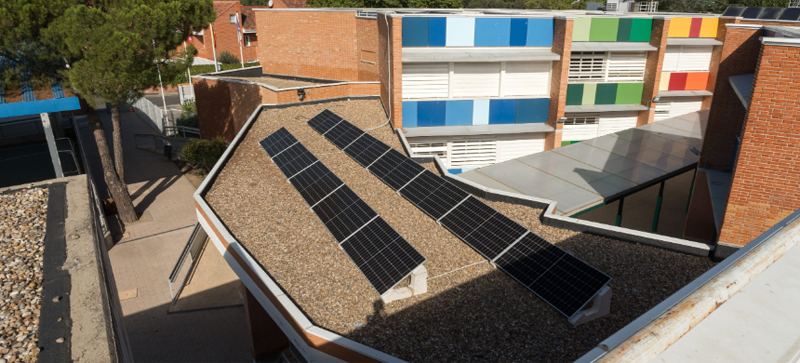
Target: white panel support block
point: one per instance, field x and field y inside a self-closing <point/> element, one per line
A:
<point x="51" y="144"/>
<point x="418" y="285"/>
<point x="601" y="306"/>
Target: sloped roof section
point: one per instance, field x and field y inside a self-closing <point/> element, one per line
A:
<point x="586" y="174"/>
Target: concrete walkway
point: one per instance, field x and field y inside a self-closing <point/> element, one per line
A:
<point x="145" y="253"/>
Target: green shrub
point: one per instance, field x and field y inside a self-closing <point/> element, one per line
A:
<point x="209" y="68"/>
<point x="190" y="105"/>
<point x="204" y="152"/>
<point x="188" y="119"/>
<point x="227" y="58"/>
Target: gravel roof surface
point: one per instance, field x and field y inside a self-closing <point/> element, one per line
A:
<point x="22" y="230"/>
<point x="276" y="82"/>
<point x="472" y="311"/>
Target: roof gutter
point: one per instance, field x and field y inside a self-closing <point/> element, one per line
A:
<point x="656" y="330"/>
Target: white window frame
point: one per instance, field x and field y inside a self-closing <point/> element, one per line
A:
<point x="232" y="18"/>
<point x="582" y="119"/>
<point x="681" y="66"/>
<point x="600" y="67"/>
<point x="246" y="40"/>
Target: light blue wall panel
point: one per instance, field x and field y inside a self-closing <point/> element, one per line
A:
<point x="409" y="113"/>
<point x="460" y="32"/>
<point x="459" y="113"/>
<point x="540" y="33"/>
<point x="41" y="106"/>
<point x="415" y="32"/>
<point x="480" y="112"/>
<point x="532" y="110"/>
<point x="492" y="32"/>
<point x="502" y="111"/>
<point x="519" y="31"/>
<point x="437" y="30"/>
<point x="430" y="113"/>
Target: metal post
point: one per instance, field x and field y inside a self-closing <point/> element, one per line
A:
<point x="51" y="144"/>
<point x="163" y="99"/>
<point x="691" y="190"/>
<point x="214" y="47"/>
<point x="619" y="212"/>
<point x="239" y="37"/>
<point x="658" y="206"/>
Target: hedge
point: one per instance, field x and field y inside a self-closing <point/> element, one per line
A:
<point x="209" y="68"/>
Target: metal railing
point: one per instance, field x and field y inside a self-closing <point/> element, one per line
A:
<point x="182" y="131"/>
<point x="66" y="154"/>
<point x="152" y="114"/>
<point x="157" y="143"/>
<point x="190" y="254"/>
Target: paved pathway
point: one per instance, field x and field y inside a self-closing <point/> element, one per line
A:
<point x="144" y="255"/>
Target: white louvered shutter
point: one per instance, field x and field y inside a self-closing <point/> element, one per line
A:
<point x="526" y="79"/>
<point x="472" y="152"/>
<point x="476" y="80"/>
<point x="518" y="145"/>
<point x="662" y="111"/>
<point x="627" y="66"/>
<point x="613" y="122"/>
<point x="587" y="66"/>
<point x="425" y="80"/>
<point x="671" y="57"/>
<point x="695" y="58"/>
<point x="684" y="106"/>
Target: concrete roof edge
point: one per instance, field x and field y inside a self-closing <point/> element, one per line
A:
<point x="782" y="42"/>
<point x="744" y="26"/>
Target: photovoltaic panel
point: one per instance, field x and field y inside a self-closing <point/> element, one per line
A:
<point x="294" y="159"/>
<point x="562" y="280"/>
<point x="790" y="14"/>
<point x="325" y="121"/>
<point x="752" y="12"/>
<point x="770" y="13"/>
<point x="277" y="142"/>
<point x="380" y="253"/>
<point x="343" y="134"/>
<point x="366" y="149"/>
<point x="733" y="11"/>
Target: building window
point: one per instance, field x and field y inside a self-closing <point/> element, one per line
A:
<point x="582" y="120"/>
<point x="585" y="67"/>
<point x="246" y="40"/>
<point x="611" y="6"/>
<point x="233" y="18"/>
<point x="430" y="148"/>
<point x="687" y="58"/>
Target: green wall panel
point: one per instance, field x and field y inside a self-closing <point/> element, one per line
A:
<point x="589" y="93"/>
<point x="629" y="93"/>
<point x="641" y="29"/>
<point x="604" y="30"/>
<point x="581" y="29"/>
<point x="624" y="32"/>
<point x="574" y="94"/>
<point x="606" y="94"/>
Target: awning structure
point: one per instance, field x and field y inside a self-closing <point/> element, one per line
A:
<point x="604" y="108"/>
<point x="611" y="46"/>
<point x="742" y="84"/>
<point x="600" y="170"/>
<point x="684" y="93"/>
<point x="693" y="41"/>
<point x="488" y="54"/>
<point x="477" y="130"/>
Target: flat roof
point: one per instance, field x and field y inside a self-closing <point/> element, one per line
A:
<point x="471" y="310"/>
<point x="594" y="171"/>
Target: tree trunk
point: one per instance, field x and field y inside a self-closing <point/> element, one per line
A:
<point x="117" y="188"/>
<point x="119" y="159"/>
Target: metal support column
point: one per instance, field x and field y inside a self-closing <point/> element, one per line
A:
<point x="51" y="144"/>
<point x="658" y="207"/>
<point x="619" y="212"/>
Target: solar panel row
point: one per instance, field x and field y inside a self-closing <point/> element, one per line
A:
<point x="762" y="13"/>
<point x="563" y="281"/>
<point x="381" y="254"/>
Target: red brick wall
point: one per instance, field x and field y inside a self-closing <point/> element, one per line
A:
<point x="716" y="57"/>
<point x="367" y="30"/>
<point x="315" y="44"/>
<point x="251" y="52"/>
<point x="766" y="182"/>
<point x="652" y="70"/>
<point x="725" y="120"/>
<point x="562" y="45"/>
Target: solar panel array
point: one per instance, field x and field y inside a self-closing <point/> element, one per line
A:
<point x="562" y="280"/>
<point x="761" y="13"/>
<point x="383" y="256"/>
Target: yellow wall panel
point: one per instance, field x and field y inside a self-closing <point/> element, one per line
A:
<point x="709" y="28"/>
<point x="679" y="27"/>
<point x="664" y="85"/>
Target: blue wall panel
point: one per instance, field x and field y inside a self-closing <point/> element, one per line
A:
<point x="437" y="32"/>
<point x="532" y="110"/>
<point x="519" y="31"/>
<point x="409" y="113"/>
<point x="41" y="106"/>
<point x="460" y="32"/>
<point x="459" y="113"/>
<point x="502" y="111"/>
<point x="430" y="113"/>
<point x="540" y="33"/>
<point x="415" y="32"/>
<point x="492" y="32"/>
<point x="480" y="112"/>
